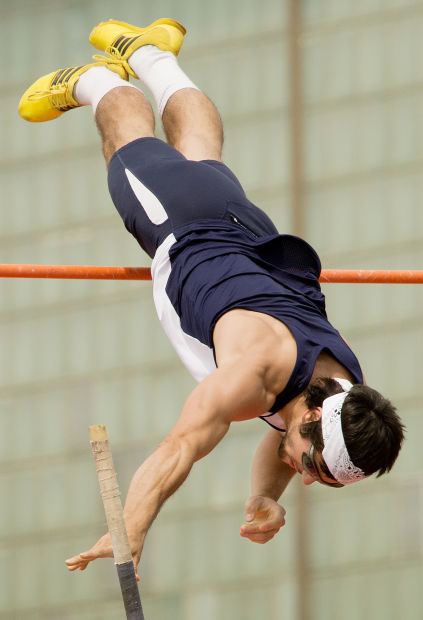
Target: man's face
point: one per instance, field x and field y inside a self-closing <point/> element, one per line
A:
<point x="291" y="450"/>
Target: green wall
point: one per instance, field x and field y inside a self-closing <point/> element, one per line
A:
<point x="78" y="353"/>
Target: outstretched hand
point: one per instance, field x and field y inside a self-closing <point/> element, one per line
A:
<point x="102" y="549"/>
<point x="264" y="518"/>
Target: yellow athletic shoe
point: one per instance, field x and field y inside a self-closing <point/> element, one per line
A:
<point x="119" y="39"/>
<point x="52" y="94"/>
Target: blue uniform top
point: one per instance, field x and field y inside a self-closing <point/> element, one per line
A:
<point x="213" y="251"/>
<point x="226" y="267"/>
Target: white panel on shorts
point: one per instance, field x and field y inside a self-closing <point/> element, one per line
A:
<point x="149" y="202"/>
<point x="196" y="356"/>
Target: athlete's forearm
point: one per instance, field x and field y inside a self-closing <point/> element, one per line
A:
<point x="196" y="433"/>
<point x="155" y="480"/>
<point x="199" y="429"/>
<point x="227" y="394"/>
<point x="269" y="475"/>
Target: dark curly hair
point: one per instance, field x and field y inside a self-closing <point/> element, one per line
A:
<point x="372" y="429"/>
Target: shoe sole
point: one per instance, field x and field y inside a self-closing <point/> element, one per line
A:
<point x="159" y="22"/>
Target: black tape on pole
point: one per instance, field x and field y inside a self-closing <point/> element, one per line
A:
<point x="130" y="592"/>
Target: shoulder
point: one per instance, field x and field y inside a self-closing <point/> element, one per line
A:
<point x="245" y="337"/>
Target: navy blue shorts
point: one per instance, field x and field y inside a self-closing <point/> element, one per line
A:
<point x="157" y="191"/>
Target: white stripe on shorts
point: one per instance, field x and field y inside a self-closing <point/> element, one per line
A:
<point x="196" y="356"/>
<point x="149" y="202"/>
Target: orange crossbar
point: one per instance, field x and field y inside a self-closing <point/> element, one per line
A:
<point x="92" y="272"/>
<point x="75" y="272"/>
<point x="372" y="276"/>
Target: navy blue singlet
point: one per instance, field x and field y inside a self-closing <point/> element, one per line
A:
<point x="213" y="251"/>
<point x="214" y="271"/>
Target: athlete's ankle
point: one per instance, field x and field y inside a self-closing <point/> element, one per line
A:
<point x="95" y="83"/>
<point x="160" y="72"/>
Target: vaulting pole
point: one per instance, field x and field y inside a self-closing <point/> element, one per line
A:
<point x="115" y="521"/>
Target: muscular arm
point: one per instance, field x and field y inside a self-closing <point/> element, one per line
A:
<point x="230" y="393"/>
<point x="269" y="475"/>
<point x="269" y="478"/>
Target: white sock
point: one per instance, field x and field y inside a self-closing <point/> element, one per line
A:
<point x="160" y="72"/>
<point x="95" y="83"/>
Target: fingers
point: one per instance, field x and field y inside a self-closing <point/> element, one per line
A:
<point x="274" y="519"/>
<point x="77" y="562"/>
<point x="264" y="518"/>
<point x="260" y="530"/>
<point x="136" y="559"/>
<point x="102" y="549"/>
<point x="252" y="505"/>
<point x="260" y="538"/>
<point x="265" y="513"/>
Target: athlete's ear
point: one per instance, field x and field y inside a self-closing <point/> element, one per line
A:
<point x="312" y="415"/>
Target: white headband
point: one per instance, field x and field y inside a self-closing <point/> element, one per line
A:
<point x="335" y="451"/>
